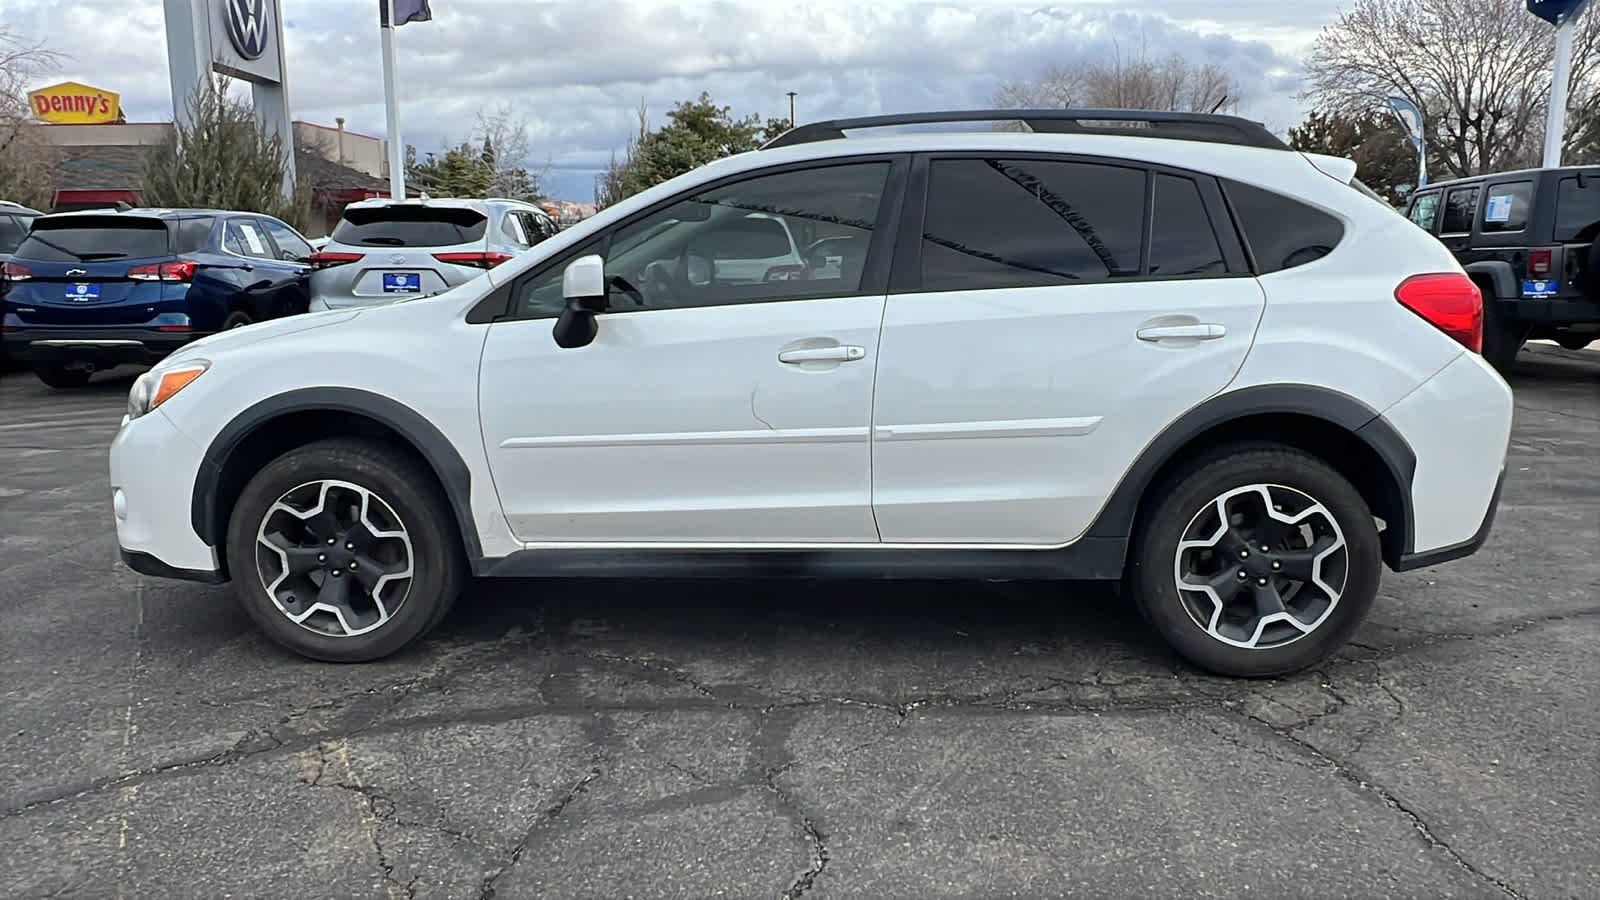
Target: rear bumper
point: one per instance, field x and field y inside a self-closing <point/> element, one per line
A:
<point x="1557" y="311"/>
<point x="1472" y="545"/>
<point x="107" y="346"/>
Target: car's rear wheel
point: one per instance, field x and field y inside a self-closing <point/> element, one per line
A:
<point x="344" y="551"/>
<point x="1574" y="341"/>
<point x="63" y="375"/>
<point x="1256" y="560"/>
<point x="237" y="319"/>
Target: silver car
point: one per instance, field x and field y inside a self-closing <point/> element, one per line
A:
<point x="384" y="250"/>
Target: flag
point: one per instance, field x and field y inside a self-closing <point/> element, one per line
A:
<point x="404" y="11"/>
<point x="1411" y="117"/>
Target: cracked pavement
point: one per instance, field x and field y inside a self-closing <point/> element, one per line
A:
<point x="796" y="739"/>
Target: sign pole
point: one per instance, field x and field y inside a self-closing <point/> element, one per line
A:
<point x="397" y="174"/>
<point x="1556" y="123"/>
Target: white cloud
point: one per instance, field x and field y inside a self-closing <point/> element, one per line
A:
<point x="578" y="70"/>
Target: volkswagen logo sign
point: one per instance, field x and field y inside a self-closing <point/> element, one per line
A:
<point x="246" y="21"/>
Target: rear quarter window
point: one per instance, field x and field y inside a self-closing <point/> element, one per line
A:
<point x="1578" y="209"/>
<point x="193" y="234"/>
<point x="12" y="230"/>
<point x="410" y="226"/>
<point x="82" y="239"/>
<point x="1282" y="232"/>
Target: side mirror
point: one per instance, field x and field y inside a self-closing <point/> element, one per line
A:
<point x="583" y="284"/>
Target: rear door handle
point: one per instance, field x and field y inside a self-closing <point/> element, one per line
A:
<point x="1205" y="332"/>
<point x="845" y="353"/>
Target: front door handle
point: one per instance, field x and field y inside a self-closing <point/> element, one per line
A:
<point x="844" y="353"/>
<point x="1205" y="332"/>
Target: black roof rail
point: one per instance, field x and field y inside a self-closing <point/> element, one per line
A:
<point x="1178" y="126"/>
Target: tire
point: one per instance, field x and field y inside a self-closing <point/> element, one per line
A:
<point x="1573" y="341"/>
<point x="237" y="319"/>
<point x="1502" y="338"/>
<point x="61" y="376"/>
<point x="1253" y="645"/>
<point x="400" y="496"/>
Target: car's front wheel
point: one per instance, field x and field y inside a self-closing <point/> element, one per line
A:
<point x="1256" y="560"/>
<point x="343" y="551"/>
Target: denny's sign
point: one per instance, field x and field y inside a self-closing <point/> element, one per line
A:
<point x="71" y="103"/>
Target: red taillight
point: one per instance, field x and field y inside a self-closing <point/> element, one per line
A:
<point x="1539" y="262"/>
<point x="322" y="260"/>
<point x="1451" y="302"/>
<point x="14" y="272"/>
<point x="481" y="260"/>
<point x="168" y="271"/>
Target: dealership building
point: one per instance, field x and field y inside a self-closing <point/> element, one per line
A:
<point x="99" y="165"/>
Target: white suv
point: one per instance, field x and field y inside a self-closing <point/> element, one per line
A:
<point x="1157" y="348"/>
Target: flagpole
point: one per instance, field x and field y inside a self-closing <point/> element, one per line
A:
<point x="397" y="174"/>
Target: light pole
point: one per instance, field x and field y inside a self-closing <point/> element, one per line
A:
<point x="792" y="122"/>
<point x="1564" y="15"/>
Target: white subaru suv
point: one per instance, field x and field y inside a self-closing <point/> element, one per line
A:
<point x="1161" y="349"/>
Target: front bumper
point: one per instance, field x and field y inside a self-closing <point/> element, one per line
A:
<point x="102" y="346"/>
<point x="153" y="467"/>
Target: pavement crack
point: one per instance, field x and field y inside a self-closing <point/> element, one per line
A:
<point x="1388" y="798"/>
<point x="814" y="837"/>
<point x="487" y="889"/>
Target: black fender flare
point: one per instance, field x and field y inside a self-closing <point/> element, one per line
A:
<point x="1117" y="517"/>
<point x="454" y="476"/>
<point x="1499" y="273"/>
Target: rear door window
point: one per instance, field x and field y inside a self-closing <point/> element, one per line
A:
<point x="1183" y="241"/>
<point x="1425" y="210"/>
<point x="1578" y="209"/>
<point x="410" y="226"/>
<point x="87" y="239"/>
<point x="1016" y="223"/>
<point x="1460" y="208"/>
<point x="1282" y="232"/>
<point x="1507" y="207"/>
<point x="246" y="238"/>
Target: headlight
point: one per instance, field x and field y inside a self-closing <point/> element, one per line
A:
<point x="156" y="386"/>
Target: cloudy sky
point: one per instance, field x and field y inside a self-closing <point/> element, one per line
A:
<point x="579" y="70"/>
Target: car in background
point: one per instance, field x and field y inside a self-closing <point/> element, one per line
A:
<point x="383" y="250"/>
<point x="1530" y="239"/>
<point x="15" y="219"/>
<point x="86" y="291"/>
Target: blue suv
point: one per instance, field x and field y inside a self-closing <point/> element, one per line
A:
<point x="86" y="291"/>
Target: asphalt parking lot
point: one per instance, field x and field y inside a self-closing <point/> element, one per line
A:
<point x="681" y="739"/>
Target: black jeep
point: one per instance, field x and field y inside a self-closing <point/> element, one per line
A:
<point x="1531" y="240"/>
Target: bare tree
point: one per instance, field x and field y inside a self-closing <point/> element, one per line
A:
<point x="1171" y="83"/>
<point x="27" y="158"/>
<point x="1479" y="69"/>
<point x="506" y="147"/>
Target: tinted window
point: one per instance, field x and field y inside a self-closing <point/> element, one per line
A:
<point x="1424" y="210"/>
<point x="1578" y="209"/>
<point x="537" y="227"/>
<point x="1460" y="206"/>
<point x="787" y="236"/>
<point x="193" y="234"/>
<point x="1027" y="223"/>
<point x="86" y="239"/>
<point x="1182" y="240"/>
<point x="410" y="226"/>
<point x="287" y="239"/>
<point x="1282" y="233"/>
<point x="1507" y="207"/>
<point x="12" y="228"/>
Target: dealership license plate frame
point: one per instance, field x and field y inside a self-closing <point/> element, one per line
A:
<point x="402" y="282"/>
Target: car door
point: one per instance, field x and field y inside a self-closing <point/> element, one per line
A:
<point x="295" y="253"/>
<point x="261" y="275"/>
<point x="1042" y="328"/>
<point x="706" y="410"/>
